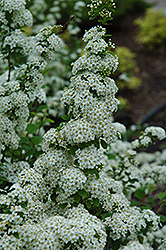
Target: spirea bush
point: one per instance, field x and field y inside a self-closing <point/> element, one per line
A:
<point x="70" y="187"/>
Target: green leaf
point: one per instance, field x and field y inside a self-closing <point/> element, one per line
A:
<point x="65" y="117"/>
<point x="106" y="215"/>
<point x="41" y="107"/>
<point x="72" y="150"/>
<point x="30" y="152"/>
<point x="82" y="193"/>
<point x="35" y="114"/>
<point x="16" y="235"/>
<point x="26" y="148"/>
<point x="63" y="205"/>
<point x="32" y="128"/>
<point x="24" y="140"/>
<point x="96" y="143"/>
<point x="96" y="173"/>
<point x="36" y="139"/>
<point x="96" y="202"/>
<point x="17" y="152"/>
<point x="90" y="171"/>
<point x="140" y="193"/>
<point x="50" y="120"/>
<point x="141" y="239"/>
<point x="77" y="198"/>
<point x="3" y="178"/>
<point x="162" y="218"/>
<point x="151" y="199"/>
<point x="103" y="144"/>
<point x="161" y="196"/>
<point x="23" y="204"/>
<point x="111" y="156"/>
<point x="88" y="204"/>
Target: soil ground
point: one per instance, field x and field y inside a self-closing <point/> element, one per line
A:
<point x="152" y="67"/>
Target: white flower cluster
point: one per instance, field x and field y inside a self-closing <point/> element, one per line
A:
<point x="105" y="12"/>
<point x="153" y="167"/>
<point x="163" y="245"/>
<point x="92" y="93"/>
<point x="19" y="15"/>
<point x="150" y="134"/>
<point x="22" y="85"/>
<point x="89" y="157"/>
<point x="122" y="164"/>
<point x="135" y="245"/>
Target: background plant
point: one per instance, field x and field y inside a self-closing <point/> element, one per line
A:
<point x="152" y="31"/>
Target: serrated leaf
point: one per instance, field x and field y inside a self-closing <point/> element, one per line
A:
<point x="82" y="193"/>
<point x="161" y="196"/>
<point x="32" y="128"/>
<point x="77" y="198"/>
<point x="103" y="144"/>
<point x="36" y="139"/>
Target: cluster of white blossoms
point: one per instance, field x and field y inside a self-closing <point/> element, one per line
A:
<point x="135" y="245"/>
<point x="104" y="12"/>
<point x="24" y="84"/>
<point x="19" y="15"/>
<point x="148" y="136"/>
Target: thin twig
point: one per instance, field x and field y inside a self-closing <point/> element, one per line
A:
<point x="9" y="64"/>
<point x="61" y="28"/>
<point x="155" y="211"/>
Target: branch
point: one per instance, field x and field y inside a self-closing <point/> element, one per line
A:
<point x="64" y="26"/>
<point x="9" y="64"/>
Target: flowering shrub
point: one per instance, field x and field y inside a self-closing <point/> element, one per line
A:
<point x="69" y="187"/>
<point x="152" y="31"/>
